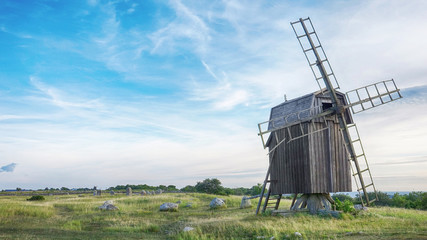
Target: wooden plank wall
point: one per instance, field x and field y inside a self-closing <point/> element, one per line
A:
<point x="313" y="164"/>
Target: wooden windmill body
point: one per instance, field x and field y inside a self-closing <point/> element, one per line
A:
<point x="316" y="163"/>
<point x="314" y="146"/>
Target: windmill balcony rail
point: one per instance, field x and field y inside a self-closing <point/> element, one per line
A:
<point x="291" y="119"/>
<point x="286" y="121"/>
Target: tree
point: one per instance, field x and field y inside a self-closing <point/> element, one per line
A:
<point x="342" y="197"/>
<point x="171" y="188"/>
<point x="188" y="188"/>
<point x="212" y="186"/>
<point x="255" y="190"/>
<point x="18" y="189"/>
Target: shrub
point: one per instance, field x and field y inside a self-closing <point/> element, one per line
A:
<point x="36" y="198"/>
<point x="346" y="206"/>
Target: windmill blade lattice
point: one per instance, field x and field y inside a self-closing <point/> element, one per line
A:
<point x="313" y="51"/>
<point x="325" y="75"/>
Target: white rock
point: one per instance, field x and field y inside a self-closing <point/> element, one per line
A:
<point x="297" y="234"/>
<point x="217" y="203"/>
<point x="360" y="207"/>
<point x="128" y="191"/>
<point x="108" y="205"/>
<point x="169" y="207"/>
<point x="187" y="229"/>
<point x="246" y="202"/>
<point x="189" y="205"/>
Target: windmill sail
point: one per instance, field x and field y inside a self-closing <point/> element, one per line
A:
<point x="313" y="51"/>
<point x="373" y="95"/>
<point x="324" y="72"/>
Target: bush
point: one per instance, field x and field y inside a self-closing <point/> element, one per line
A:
<point x="36" y="198"/>
<point x="346" y="206"/>
<point x="416" y="200"/>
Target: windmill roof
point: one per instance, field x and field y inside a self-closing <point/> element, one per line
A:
<point x="291" y="109"/>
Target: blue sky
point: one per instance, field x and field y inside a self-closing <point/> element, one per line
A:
<point x="170" y="92"/>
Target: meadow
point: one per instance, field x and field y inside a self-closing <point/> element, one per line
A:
<point x="138" y="217"/>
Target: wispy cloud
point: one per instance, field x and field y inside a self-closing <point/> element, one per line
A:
<point x="186" y="26"/>
<point x="8" y="168"/>
<point x="56" y="97"/>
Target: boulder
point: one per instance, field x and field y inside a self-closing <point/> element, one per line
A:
<point x="178" y="202"/>
<point x="128" y="191"/>
<point x="246" y="202"/>
<point x="187" y="229"/>
<point x="112" y="192"/>
<point x="143" y="192"/>
<point x="217" y="203"/>
<point x="189" y="205"/>
<point x="169" y="207"/>
<point x="108" y="205"/>
<point x="159" y="191"/>
<point x="329" y="213"/>
<point x="360" y="207"/>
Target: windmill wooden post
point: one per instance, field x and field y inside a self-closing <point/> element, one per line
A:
<point x="314" y="145"/>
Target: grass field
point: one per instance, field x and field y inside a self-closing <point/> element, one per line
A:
<point x="138" y="217"/>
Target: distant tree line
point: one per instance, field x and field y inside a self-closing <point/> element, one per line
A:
<point x="213" y="186"/>
<point x="209" y="185"/>
<point x="414" y="200"/>
<point x="139" y="187"/>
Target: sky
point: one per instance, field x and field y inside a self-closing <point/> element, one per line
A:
<point x="106" y="93"/>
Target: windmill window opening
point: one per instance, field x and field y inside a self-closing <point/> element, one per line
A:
<point x="326" y="106"/>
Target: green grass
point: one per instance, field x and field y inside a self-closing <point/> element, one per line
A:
<point x="138" y="217"/>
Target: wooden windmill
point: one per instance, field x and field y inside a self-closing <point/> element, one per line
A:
<point x="314" y="146"/>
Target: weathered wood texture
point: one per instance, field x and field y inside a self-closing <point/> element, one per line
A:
<point x="316" y="163"/>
